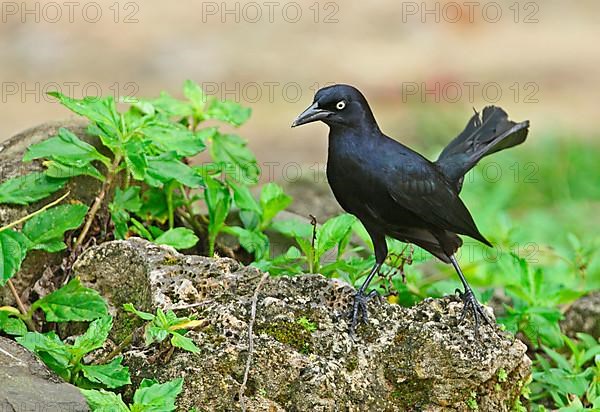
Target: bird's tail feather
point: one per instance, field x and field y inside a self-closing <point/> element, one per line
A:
<point x="481" y="137"/>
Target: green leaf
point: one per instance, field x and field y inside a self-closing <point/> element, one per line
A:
<point x="30" y="188"/>
<point x="59" y="170"/>
<point x="72" y="302"/>
<point x="13" y="249"/>
<point x="194" y="94"/>
<point x="65" y="148"/>
<point x="180" y="341"/>
<point x="170" y="106"/>
<point x="135" y="158"/>
<point x="46" y="230"/>
<point x="131" y="309"/>
<point x="155" y="397"/>
<point x="176" y="137"/>
<point x="125" y="201"/>
<point x="272" y="200"/>
<point x="290" y="263"/>
<point x="101" y="111"/>
<point x="155" y="334"/>
<point x="333" y="232"/>
<point x="128" y="199"/>
<point x="94" y="336"/>
<point x="228" y="111"/>
<point x="558" y="359"/>
<point x="179" y="238"/>
<point x="111" y="375"/>
<point x="541" y="324"/>
<point x="243" y="198"/>
<point x="250" y="219"/>
<point x="103" y="401"/>
<point x="162" y="319"/>
<point x="294" y="228"/>
<point x="166" y="167"/>
<point x="53" y="352"/>
<point x="140" y="229"/>
<point x="155" y="231"/>
<point x="154" y="205"/>
<point x="139" y="108"/>
<point x="11" y="325"/>
<point x="253" y="241"/>
<point x="234" y="158"/>
<point x="218" y="201"/>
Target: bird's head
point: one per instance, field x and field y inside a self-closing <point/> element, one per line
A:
<point x="338" y="105"/>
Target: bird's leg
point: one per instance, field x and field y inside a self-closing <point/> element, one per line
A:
<point x="359" y="308"/>
<point x="470" y="303"/>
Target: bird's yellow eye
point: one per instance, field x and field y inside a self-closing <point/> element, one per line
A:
<point x="340" y="105"/>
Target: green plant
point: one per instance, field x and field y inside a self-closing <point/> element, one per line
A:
<point x="218" y="202"/>
<point x="146" y="166"/>
<point x="44" y="230"/>
<point x="571" y="379"/>
<point x="72" y="302"/>
<point x="307" y="324"/>
<point x="535" y="305"/>
<point x="472" y="401"/>
<point x="257" y="216"/>
<point x="151" y="396"/>
<point x="315" y="242"/>
<point x="163" y="325"/>
<point x="67" y="359"/>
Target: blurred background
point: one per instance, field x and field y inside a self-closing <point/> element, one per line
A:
<point x="419" y="63"/>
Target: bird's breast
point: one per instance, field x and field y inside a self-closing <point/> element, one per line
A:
<point x="352" y="176"/>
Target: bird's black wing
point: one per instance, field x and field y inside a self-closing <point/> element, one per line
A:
<point x="419" y="187"/>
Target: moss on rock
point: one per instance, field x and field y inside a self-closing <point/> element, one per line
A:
<point x="289" y="333"/>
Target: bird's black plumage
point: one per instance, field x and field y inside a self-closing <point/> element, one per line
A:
<point x="393" y="190"/>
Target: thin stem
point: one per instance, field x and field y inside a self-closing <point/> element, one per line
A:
<point x="313" y="263"/>
<point x="126" y="342"/>
<point x="127" y="179"/>
<point x="29" y="216"/>
<point x="211" y="245"/>
<point x="26" y="318"/>
<point x="170" y="189"/>
<point x="98" y="202"/>
<point x="190" y="217"/>
<point x="250" y="341"/>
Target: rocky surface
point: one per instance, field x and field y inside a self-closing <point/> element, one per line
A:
<point x="583" y="316"/>
<point x="26" y="384"/>
<point x="82" y="189"/>
<point x="303" y="358"/>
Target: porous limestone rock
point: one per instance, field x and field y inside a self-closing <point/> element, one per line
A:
<point x="404" y="359"/>
<point x="583" y="316"/>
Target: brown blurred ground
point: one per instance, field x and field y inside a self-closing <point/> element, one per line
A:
<point x="378" y="46"/>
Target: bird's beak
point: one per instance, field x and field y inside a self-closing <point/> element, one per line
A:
<point x="312" y="114"/>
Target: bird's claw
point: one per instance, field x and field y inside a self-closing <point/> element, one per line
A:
<point x="470" y="304"/>
<point x="359" y="309"/>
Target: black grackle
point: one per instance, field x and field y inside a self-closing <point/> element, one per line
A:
<point x="394" y="191"/>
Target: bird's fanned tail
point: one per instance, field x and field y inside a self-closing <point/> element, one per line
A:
<point x="482" y="136"/>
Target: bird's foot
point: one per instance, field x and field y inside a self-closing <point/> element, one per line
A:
<point x="470" y="304"/>
<point x="359" y="309"/>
